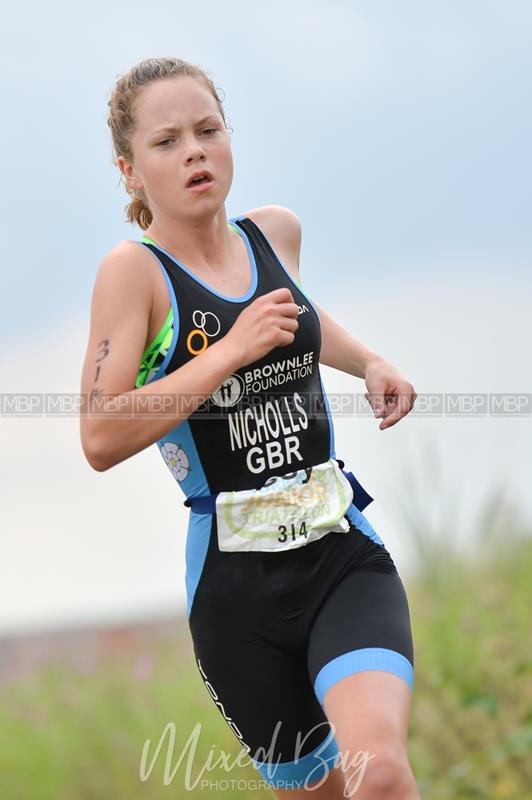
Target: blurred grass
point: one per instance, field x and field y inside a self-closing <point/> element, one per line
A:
<point x="471" y="724"/>
<point x="74" y="729"/>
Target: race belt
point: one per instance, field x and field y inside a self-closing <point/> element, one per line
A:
<point x="288" y="511"/>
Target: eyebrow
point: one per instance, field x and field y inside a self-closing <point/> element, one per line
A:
<point x="174" y="129"/>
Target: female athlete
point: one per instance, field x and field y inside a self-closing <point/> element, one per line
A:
<point x="203" y="341"/>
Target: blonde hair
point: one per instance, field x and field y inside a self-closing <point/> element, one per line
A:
<point x="121" y="119"/>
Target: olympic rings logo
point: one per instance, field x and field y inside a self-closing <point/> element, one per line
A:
<point x="206" y="322"/>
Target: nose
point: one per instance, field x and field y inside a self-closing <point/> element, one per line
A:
<point x="194" y="151"/>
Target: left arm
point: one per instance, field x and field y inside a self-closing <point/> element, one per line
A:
<point x="390" y="395"/>
<point x="340" y="350"/>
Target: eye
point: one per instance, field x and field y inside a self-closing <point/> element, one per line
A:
<point x="205" y="130"/>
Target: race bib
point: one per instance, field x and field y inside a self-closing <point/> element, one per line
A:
<point x="288" y="511"/>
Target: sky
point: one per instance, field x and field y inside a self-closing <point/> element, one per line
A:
<point x="400" y="135"/>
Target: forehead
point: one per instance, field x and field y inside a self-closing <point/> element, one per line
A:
<point x="173" y="101"/>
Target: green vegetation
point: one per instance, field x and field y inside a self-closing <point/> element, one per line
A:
<point x="74" y="729"/>
<point x="471" y="724"/>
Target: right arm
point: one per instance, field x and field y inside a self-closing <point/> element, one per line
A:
<point x="120" y="313"/>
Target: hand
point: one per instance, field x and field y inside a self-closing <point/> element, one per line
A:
<point x="269" y="321"/>
<point x="389" y="394"/>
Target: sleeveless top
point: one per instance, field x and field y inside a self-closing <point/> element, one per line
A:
<point x="267" y="418"/>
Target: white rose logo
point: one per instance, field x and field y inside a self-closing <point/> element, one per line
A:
<point x="176" y="459"/>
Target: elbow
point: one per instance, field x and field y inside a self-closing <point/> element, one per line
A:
<point x="95" y="455"/>
<point x="98" y="464"/>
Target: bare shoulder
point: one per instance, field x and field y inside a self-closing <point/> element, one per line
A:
<point x="282" y="228"/>
<point x="280" y="221"/>
<point x="129" y="269"/>
<point x="124" y="259"/>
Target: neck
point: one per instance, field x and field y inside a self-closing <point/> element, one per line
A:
<point x="203" y="243"/>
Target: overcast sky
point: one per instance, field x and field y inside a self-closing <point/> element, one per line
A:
<point x="398" y="132"/>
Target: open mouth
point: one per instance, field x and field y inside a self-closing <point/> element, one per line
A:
<point x="200" y="184"/>
<point x="201" y="177"/>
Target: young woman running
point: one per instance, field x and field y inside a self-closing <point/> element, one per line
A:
<point x="299" y="619"/>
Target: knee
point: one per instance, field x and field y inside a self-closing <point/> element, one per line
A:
<point x="388" y="776"/>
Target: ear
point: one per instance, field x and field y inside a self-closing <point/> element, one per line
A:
<point x="128" y="171"/>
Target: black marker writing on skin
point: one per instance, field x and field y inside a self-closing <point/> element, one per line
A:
<point x="104" y="352"/>
<point x="104" y="344"/>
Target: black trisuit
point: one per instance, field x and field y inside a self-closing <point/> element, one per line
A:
<point x="272" y="631"/>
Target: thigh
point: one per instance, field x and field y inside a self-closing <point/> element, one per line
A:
<point x="361" y="664"/>
<point x="267" y="700"/>
<point x="363" y="625"/>
<point x="240" y="620"/>
<point x="369" y="713"/>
